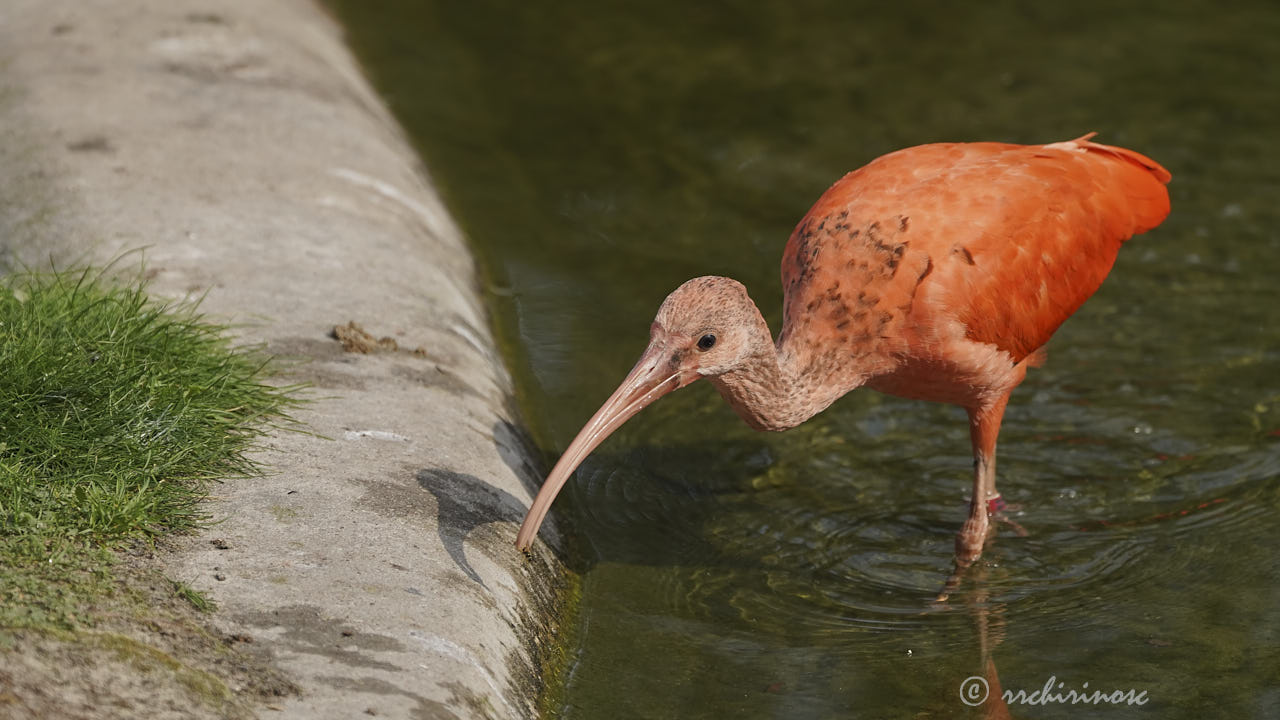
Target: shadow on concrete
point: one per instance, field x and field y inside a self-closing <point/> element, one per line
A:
<point x="464" y="503"/>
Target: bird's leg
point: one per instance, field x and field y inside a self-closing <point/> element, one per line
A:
<point x="973" y="533"/>
<point x="984" y="427"/>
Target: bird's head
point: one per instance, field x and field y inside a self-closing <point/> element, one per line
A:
<point x="706" y="327"/>
<point x="703" y="329"/>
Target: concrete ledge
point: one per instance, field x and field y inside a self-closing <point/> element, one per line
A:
<point x="239" y="143"/>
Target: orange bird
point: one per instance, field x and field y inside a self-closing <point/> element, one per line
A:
<point x="937" y="272"/>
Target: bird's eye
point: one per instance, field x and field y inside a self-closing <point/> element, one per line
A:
<point x="706" y="342"/>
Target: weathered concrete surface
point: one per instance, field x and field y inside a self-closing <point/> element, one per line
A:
<point x="237" y="141"/>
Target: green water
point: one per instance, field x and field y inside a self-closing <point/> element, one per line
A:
<point x="598" y="156"/>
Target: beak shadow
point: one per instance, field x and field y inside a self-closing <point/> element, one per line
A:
<point x="465" y="502"/>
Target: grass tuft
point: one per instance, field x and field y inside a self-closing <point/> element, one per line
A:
<point x="116" y="414"/>
<point x="198" y="600"/>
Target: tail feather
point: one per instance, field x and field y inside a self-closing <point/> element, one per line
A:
<point x="1137" y="158"/>
<point x="1134" y="188"/>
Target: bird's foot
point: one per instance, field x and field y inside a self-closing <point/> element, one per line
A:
<point x="968" y="549"/>
<point x="970" y="539"/>
<point x="950" y="586"/>
<point x="1013" y="525"/>
<point x="973" y="536"/>
<point x="998" y="509"/>
<point x="969" y="542"/>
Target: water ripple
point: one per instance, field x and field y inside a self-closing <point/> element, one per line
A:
<point x="827" y="556"/>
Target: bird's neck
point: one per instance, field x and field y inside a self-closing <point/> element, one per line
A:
<point x="773" y="389"/>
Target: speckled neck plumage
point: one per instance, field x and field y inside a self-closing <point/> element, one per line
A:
<point x="762" y="394"/>
<point x="772" y="389"/>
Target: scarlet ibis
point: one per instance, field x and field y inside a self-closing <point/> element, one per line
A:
<point x="937" y="272"/>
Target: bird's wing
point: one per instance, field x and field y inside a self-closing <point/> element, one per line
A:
<point x="1008" y="240"/>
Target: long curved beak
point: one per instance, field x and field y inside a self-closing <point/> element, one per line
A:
<point x="653" y="376"/>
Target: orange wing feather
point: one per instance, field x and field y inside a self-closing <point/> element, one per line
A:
<point x="1008" y="240"/>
